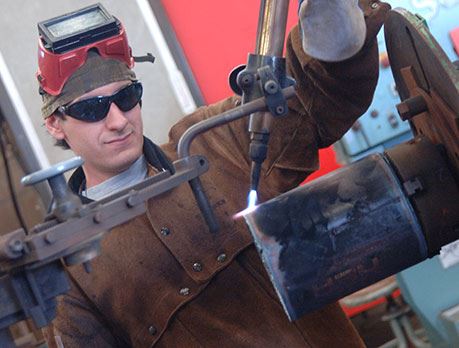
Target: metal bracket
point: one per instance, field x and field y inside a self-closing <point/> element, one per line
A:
<point x="263" y="76"/>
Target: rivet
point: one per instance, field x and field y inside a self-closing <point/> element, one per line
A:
<point x="165" y="231"/>
<point x="97" y="218"/>
<point x="130" y="202"/>
<point x="356" y="126"/>
<point x="374" y="5"/>
<point x="392" y="121"/>
<point x="197" y="267"/>
<point x="221" y="258"/>
<point x="16" y="246"/>
<point x="184" y="291"/>
<point x="152" y="330"/>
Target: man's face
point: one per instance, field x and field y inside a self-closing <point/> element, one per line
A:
<point x="109" y="146"/>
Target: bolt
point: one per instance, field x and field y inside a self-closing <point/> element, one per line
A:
<point x="412" y="186"/>
<point x="356" y="126"/>
<point x="130" y="202"/>
<point x="184" y="291"/>
<point x="152" y="330"/>
<point x="246" y="79"/>
<point x="97" y="218"/>
<point x="374" y="113"/>
<point x="221" y="258"/>
<point x="165" y="231"/>
<point x="411" y="107"/>
<point x="271" y="87"/>
<point x="197" y="267"/>
<point x="279" y="110"/>
<point x="16" y="246"/>
<point x="393" y="121"/>
<point x="404" y="111"/>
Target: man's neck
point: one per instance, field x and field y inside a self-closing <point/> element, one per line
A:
<point x="132" y="175"/>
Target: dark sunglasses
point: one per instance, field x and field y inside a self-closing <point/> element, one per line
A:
<point x="96" y="109"/>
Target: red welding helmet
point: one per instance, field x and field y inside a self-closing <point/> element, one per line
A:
<point x="64" y="42"/>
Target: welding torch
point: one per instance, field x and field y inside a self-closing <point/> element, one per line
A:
<point x="270" y="42"/>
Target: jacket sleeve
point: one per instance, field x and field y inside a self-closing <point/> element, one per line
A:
<point x="330" y="97"/>
<point x="78" y="324"/>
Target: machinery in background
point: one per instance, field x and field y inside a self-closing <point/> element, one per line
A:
<point x="380" y="127"/>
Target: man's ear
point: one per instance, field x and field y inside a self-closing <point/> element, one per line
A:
<point x="54" y="126"/>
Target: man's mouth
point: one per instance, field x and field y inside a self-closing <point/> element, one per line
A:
<point x="119" y="139"/>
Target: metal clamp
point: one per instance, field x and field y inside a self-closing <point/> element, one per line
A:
<point x="263" y="76"/>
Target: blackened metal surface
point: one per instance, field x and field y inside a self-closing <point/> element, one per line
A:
<point x="434" y="194"/>
<point x="338" y="234"/>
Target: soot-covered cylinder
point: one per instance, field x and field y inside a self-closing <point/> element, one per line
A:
<point x="339" y="233"/>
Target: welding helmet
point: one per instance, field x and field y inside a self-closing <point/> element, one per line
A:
<point x="64" y="42"/>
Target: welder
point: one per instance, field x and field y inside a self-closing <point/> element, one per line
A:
<point x="162" y="279"/>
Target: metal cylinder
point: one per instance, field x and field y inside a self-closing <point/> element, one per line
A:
<point x="340" y="233"/>
<point x="271" y="27"/>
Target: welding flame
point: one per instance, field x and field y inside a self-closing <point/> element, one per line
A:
<point x="252" y="199"/>
<point x="251" y="204"/>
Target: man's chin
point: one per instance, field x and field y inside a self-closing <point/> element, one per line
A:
<point x="124" y="161"/>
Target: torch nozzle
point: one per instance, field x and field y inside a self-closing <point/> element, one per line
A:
<point x="255" y="175"/>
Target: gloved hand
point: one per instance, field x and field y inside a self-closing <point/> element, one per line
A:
<point x="333" y="30"/>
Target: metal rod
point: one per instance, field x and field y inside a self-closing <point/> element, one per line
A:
<point x="272" y="23"/>
<point x="270" y="41"/>
<point x="183" y="148"/>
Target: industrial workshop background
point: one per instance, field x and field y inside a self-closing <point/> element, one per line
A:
<point x="197" y="44"/>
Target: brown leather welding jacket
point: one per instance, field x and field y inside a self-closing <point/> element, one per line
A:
<point x="162" y="279"/>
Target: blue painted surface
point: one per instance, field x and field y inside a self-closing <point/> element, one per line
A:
<point x="377" y="133"/>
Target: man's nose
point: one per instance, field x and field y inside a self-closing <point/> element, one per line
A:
<point x="116" y="119"/>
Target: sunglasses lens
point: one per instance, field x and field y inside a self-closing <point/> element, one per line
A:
<point x="129" y="97"/>
<point x="96" y="109"/>
<point x="89" y="110"/>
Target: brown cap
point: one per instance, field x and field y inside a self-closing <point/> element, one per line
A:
<point x="94" y="73"/>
